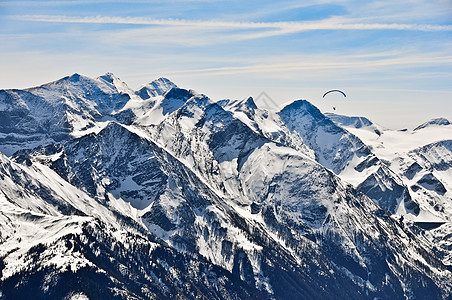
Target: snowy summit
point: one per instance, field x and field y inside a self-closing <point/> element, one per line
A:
<point x="163" y="193"/>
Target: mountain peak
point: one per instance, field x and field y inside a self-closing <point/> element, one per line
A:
<point x="163" y="80"/>
<point x="155" y="88"/>
<point x="303" y="105"/>
<point x="242" y="105"/>
<point x="115" y="82"/>
<point x="76" y="77"/>
<point x="250" y="102"/>
<point x="177" y="93"/>
<point x="298" y="103"/>
<point x="109" y="77"/>
<point x="162" y="83"/>
<point x="435" y="121"/>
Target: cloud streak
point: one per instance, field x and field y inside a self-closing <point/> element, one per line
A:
<point x="83" y="2"/>
<point x="279" y="27"/>
<point x="321" y="64"/>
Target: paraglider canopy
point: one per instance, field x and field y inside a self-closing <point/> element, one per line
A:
<point x="337" y="101"/>
<point x="331" y="91"/>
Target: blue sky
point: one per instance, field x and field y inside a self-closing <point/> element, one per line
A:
<point x="392" y="58"/>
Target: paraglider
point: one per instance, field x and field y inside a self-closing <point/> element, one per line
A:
<point x="331" y="91"/>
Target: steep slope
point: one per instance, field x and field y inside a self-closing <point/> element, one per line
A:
<point x="347" y="156"/>
<point x="188" y="215"/>
<point x="178" y="196"/>
<point x="428" y="172"/>
<point x="55" y="237"/>
<point x="334" y="147"/>
<point x="150" y="103"/>
<point x="302" y="126"/>
<point x="250" y="227"/>
<point x="155" y="109"/>
<point x="266" y="123"/>
<point x="269" y="181"/>
<point x="53" y="111"/>
<point x="423" y="160"/>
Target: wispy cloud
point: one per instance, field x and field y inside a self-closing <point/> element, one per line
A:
<point x="322" y="63"/>
<point x="82" y="2"/>
<point x="231" y="48"/>
<point x="280" y="27"/>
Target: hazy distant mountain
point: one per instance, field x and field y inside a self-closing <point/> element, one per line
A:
<point x="437" y="122"/>
<point x="162" y="193"/>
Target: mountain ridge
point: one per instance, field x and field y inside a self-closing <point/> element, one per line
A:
<point x="237" y="200"/>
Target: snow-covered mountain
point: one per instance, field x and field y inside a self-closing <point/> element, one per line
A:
<point x="422" y="158"/>
<point x="302" y="126"/>
<point x="434" y="122"/>
<point x="163" y="193"/>
<point x="155" y="88"/>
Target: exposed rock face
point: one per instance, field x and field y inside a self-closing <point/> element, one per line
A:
<point x="162" y="193"/>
